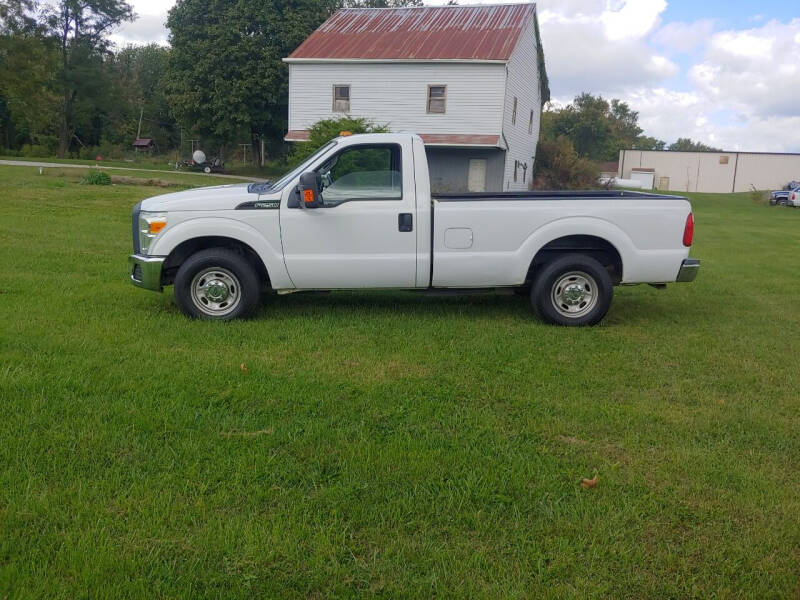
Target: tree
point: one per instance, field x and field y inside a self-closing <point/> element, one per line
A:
<point x="28" y="65"/>
<point x="558" y="167"/>
<point x="596" y="127"/>
<point x="80" y="28"/>
<point x="644" y="142"/>
<point x="140" y="79"/>
<point x="687" y="145"/>
<point x="227" y="78"/>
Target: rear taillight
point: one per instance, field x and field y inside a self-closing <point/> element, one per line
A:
<point x="688" y="230"/>
<point x="794" y="196"/>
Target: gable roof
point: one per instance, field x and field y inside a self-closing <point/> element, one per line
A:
<point x="483" y="32"/>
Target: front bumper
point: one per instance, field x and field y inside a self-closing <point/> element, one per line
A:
<point x="146" y="271"/>
<point x="688" y="270"/>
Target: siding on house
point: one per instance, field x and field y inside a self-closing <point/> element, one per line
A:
<point x="396" y="94"/>
<point x="522" y="82"/>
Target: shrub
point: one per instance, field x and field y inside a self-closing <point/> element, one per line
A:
<point x="96" y="178"/>
<point x="327" y="129"/>
<point x="88" y="152"/>
<point x="35" y="151"/>
<point x="558" y="167"/>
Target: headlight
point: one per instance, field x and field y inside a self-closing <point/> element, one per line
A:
<point x="150" y="225"/>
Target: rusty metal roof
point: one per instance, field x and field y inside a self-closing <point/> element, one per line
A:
<point x="484" y="32"/>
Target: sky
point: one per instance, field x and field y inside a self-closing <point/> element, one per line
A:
<point x="724" y="73"/>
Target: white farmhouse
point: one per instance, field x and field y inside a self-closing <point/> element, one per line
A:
<point x="470" y="80"/>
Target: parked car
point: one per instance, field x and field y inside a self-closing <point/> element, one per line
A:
<point x="359" y="213"/>
<point x="779" y="197"/>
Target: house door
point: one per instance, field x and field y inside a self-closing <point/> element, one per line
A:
<point x="476" y="178"/>
<point x="364" y="235"/>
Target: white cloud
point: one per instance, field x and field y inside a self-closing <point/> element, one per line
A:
<point x="148" y="27"/>
<point x="596" y="46"/>
<point x="684" y="37"/>
<point x="144" y="30"/>
<point x="754" y="72"/>
<point x="631" y="19"/>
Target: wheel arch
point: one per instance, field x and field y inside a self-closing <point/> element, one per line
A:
<point x="205" y="232"/>
<point x="597" y="237"/>
<point x="185" y="249"/>
<point x="597" y="247"/>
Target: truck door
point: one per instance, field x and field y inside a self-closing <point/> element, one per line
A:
<point x="363" y="236"/>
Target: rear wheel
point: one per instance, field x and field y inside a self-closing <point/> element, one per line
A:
<point x="217" y="284"/>
<point x="572" y="290"/>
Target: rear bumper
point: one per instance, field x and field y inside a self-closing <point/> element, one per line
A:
<point x="146" y="271"/>
<point x="688" y="270"/>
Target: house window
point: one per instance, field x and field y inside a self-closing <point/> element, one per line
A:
<point x="437" y="96"/>
<point x="723" y="160"/>
<point x="530" y="123"/>
<point x="341" y="98"/>
<point x="514" y="112"/>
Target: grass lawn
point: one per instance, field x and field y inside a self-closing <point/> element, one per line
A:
<point x="389" y="444"/>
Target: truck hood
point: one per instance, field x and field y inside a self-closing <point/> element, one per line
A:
<point x="218" y="197"/>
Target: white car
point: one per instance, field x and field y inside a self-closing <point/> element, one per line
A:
<point x="359" y="213"/>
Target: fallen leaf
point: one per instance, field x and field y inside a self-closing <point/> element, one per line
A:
<point x="589" y="483"/>
<point x="243" y="368"/>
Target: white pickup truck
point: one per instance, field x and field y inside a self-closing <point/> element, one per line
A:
<point x="359" y="213"/>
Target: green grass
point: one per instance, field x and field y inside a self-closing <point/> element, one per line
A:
<point x="389" y="444"/>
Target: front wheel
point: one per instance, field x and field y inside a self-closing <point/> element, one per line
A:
<point x="573" y="290"/>
<point x="217" y="284"/>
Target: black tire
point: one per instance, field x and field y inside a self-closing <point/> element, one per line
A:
<point x="578" y="277"/>
<point x="224" y="269"/>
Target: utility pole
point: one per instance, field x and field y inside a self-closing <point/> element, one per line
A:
<point x="244" y="153"/>
<point x="139" y="130"/>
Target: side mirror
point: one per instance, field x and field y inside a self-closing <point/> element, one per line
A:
<point x="311" y="190"/>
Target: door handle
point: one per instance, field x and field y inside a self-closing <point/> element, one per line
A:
<point x="405" y="222"/>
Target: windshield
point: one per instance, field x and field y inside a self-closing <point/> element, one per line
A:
<point x="299" y="169"/>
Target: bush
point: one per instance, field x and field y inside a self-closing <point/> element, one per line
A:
<point x="35" y="151"/>
<point x="327" y="129"/>
<point x="558" y="167"/>
<point x="96" y="178"/>
<point x="88" y="152"/>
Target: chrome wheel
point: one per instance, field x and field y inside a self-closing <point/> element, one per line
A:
<point x="574" y="294"/>
<point x="215" y="291"/>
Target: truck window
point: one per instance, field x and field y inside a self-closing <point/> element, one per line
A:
<point x="370" y="172"/>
